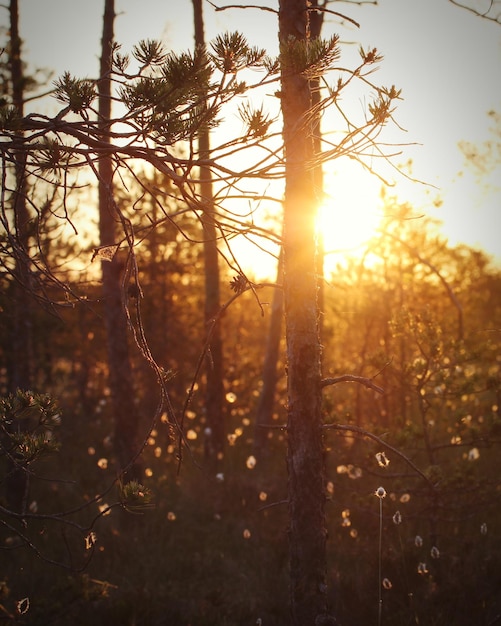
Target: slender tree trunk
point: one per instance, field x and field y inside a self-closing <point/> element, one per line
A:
<point x="21" y="333"/>
<point x="214" y="402"/>
<point x="305" y="454"/>
<point x="124" y="408"/>
<point x="264" y="413"/>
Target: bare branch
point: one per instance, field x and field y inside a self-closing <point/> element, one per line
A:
<point x="487" y="14"/>
<point x="242" y="6"/>
<point x="365" y="433"/>
<point x="320" y="9"/>
<point x="349" y="378"/>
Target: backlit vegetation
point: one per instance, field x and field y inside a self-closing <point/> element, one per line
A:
<point x="392" y="320"/>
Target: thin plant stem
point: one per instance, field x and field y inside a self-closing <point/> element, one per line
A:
<point x="406" y="580"/>
<point x="380" y="607"/>
<point x="380" y="493"/>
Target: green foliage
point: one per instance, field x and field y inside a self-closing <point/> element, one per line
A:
<point x="135" y="497"/>
<point x="257" y="121"/>
<point x="53" y="157"/>
<point x="180" y="95"/>
<point x="9" y="117"/>
<point x="27" y="422"/>
<point x="149" y="52"/>
<point x="370" y="56"/>
<point x="77" y="93"/>
<point x="380" y="108"/>
<point x="232" y="53"/>
<point x="187" y="71"/>
<point x="311" y="58"/>
<point x="172" y="103"/>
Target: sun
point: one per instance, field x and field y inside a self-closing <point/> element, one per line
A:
<point x="348" y="218"/>
<point x="350" y="214"/>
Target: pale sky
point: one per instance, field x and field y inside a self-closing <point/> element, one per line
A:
<point x="445" y="60"/>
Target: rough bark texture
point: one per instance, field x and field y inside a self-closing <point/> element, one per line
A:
<point x="214" y="400"/>
<point x="125" y="412"/>
<point x="265" y="407"/>
<point x="305" y="455"/>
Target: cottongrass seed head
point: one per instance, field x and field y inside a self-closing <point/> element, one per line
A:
<point x="380" y="492"/>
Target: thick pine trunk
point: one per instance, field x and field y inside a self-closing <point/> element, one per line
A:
<point x="125" y="412"/>
<point x="305" y="455"/>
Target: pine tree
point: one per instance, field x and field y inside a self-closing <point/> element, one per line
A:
<point x="169" y="100"/>
<point x="125" y="410"/>
<point x="214" y="397"/>
<point x="305" y="451"/>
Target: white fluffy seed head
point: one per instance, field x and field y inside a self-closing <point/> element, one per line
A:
<point x="380" y="492"/>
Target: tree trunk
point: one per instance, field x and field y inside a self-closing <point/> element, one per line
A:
<point x="305" y="454"/>
<point x="264" y="413"/>
<point x="21" y="333"/>
<point x="21" y="375"/>
<point x="125" y="412"/>
<point x="214" y="401"/>
<point x="266" y="400"/>
<point x="316" y="22"/>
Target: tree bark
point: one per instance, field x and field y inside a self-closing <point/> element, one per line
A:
<point x="214" y="399"/>
<point x="125" y="412"/>
<point x="316" y="23"/>
<point x="305" y="454"/>
<point x="20" y="375"/>
<point x="21" y="332"/>
<point x="266" y="400"/>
